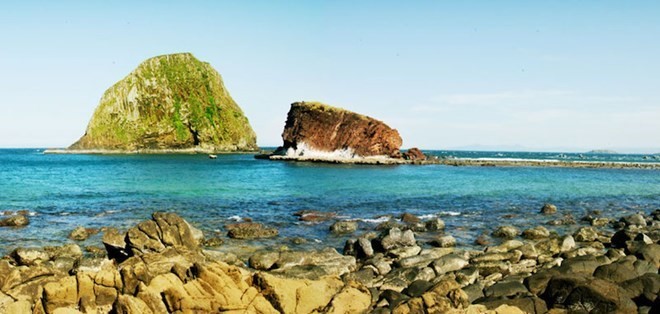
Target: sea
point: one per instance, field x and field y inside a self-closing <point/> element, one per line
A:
<point x="61" y="192"/>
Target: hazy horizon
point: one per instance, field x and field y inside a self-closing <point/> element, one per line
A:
<point x="559" y="76"/>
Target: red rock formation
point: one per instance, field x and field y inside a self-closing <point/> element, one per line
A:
<point x="324" y="128"/>
<point x="414" y="154"/>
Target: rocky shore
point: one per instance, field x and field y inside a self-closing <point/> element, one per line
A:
<point x="166" y="265"/>
<point x="459" y="162"/>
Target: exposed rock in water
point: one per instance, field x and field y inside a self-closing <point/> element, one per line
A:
<point x="414" y="154"/>
<point x="315" y="129"/>
<point x="15" y="221"/>
<point x="250" y="230"/>
<point x="548" y="209"/>
<point x="169" y="102"/>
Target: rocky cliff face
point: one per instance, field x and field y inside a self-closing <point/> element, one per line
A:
<point x="318" y="129"/>
<point x="169" y="102"/>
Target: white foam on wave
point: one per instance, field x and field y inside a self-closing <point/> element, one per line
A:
<point x="375" y="220"/>
<point x="235" y="218"/>
<point x="428" y="216"/>
<point x="303" y="150"/>
<point x="450" y="213"/>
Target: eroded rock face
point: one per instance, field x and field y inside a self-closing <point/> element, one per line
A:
<point x="318" y="129"/>
<point x="168" y="102"/>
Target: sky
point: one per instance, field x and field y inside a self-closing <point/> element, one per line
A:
<point x="511" y="75"/>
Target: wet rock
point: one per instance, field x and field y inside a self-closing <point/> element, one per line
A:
<point x="343" y="227"/>
<point x="434" y="224"/>
<point x="444" y="241"/>
<point x="548" y="209"/>
<point x="162" y="231"/>
<point x="587" y="294"/>
<point x="95" y="251"/>
<point x="538" y="232"/>
<point x="81" y="233"/>
<point x="620" y="238"/>
<point x="15" y="221"/>
<point x="585" y="234"/>
<point x="410" y="218"/>
<point x="314" y="215"/>
<point x="482" y="240"/>
<point x="250" y="230"/>
<point x="506" y="232"/>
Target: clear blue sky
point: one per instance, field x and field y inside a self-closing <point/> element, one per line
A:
<point x="570" y="75"/>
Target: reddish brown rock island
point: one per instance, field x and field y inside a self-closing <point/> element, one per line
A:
<point x="319" y="132"/>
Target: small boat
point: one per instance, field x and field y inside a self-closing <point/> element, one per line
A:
<point x="211" y="156"/>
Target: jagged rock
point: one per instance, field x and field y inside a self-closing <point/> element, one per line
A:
<point x="395" y="238"/>
<point x="342" y="227"/>
<point x="250" y="230"/>
<point x="525" y="304"/>
<point x="410" y="218"/>
<point x="506" y="232"/>
<point x="164" y="230"/>
<point x="444" y="296"/>
<point x="15" y="221"/>
<point x="548" y="209"/>
<point x="359" y="248"/>
<point x="115" y="244"/>
<point x="314" y="128"/>
<point x="414" y="154"/>
<point x="168" y="102"/>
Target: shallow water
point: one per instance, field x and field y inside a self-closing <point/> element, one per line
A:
<point x="64" y="191"/>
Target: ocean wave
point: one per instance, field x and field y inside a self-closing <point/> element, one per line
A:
<point x="450" y="213"/>
<point x="235" y="218"/>
<point x="375" y="220"/>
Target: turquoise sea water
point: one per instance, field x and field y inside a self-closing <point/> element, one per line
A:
<point x="64" y="191"/>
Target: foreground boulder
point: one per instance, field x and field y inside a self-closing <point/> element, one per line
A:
<point x="168" y="102"/>
<point x="316" y="130"/>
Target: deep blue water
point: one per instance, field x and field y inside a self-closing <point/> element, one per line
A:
<point x="64" y="191"/>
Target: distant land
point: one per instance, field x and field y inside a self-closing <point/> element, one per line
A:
<point x="521" y="148"/>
